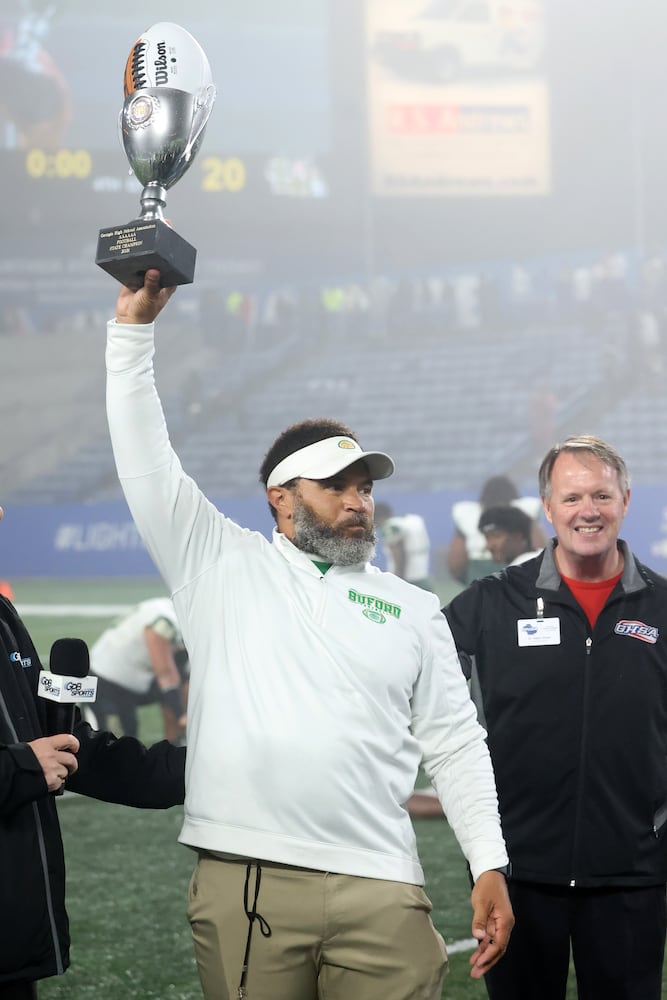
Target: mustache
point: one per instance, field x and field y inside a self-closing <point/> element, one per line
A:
<point x="357" y="521"/>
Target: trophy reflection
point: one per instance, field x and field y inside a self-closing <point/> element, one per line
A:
<point x="169" y="96"/>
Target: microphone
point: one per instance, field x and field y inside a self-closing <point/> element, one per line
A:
<point x="66" y="684"/>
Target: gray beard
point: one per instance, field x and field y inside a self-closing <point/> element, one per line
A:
<point x="329" y="544"/>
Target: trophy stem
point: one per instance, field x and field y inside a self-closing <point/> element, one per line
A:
<point x="153" y="201"/>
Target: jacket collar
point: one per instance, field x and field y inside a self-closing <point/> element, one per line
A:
<point x="550" y="579"/>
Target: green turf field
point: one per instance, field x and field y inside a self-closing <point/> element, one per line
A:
<point x="128" y="876"/>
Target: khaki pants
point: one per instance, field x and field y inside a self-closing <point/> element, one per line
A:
<point x="332" y="937"/>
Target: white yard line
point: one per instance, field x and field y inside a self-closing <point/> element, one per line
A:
<point x="469" y="944"/>
<point x="76" y="610"/>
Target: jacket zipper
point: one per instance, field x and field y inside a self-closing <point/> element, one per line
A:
<point x="661" y="816"/>
<point x="47" y="886"/>
<point x="589" y="646"/>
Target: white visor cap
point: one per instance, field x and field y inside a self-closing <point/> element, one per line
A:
<point x="327" y="458"/>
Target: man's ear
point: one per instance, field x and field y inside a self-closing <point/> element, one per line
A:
<point x="282" y="501"/>
<point x="626" y="502"/>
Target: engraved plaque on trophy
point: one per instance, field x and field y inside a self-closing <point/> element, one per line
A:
<point x="169" y="95"/>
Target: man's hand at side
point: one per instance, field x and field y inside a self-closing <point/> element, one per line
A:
<point x="492" y="921"/>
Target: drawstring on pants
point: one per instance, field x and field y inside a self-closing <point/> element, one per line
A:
<point x="252" y="916"/>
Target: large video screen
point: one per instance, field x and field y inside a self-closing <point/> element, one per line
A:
<point x="348" y="137"/>
<point x="262" y="181"/>
<point x="61" y="90"/>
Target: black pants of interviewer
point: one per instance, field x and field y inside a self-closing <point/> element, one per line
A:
<point x="18" y="991"/>
<point x="616" y="937"/>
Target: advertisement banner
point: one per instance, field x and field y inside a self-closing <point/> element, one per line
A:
<point x="100" y="540"/>
<point x="458" y="98"/>
<point x="90" y="540"/>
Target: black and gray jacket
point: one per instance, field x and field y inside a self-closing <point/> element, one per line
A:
<point x="35" y="939"/>
<point x="577" y="725"/>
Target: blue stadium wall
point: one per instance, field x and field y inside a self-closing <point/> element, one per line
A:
<point x="100" y="540"/>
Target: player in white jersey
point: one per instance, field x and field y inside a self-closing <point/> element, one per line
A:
<point x="141" y="659"/>
<point x="406" y="544"/>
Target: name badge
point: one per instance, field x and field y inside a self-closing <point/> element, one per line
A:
<point x="538" y="631"/>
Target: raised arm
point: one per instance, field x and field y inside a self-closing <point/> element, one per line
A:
<point x="180" y="528"/>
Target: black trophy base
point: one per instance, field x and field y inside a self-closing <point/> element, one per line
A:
<point x="127" y="252"/>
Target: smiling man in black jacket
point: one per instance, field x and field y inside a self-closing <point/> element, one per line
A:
<point x="34" y="942"/>
<point x="571" y="654"/>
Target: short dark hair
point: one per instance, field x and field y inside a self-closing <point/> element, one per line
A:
<point x="298" y="436"/>
<point x="510" y="519"/>
<point x="383" y="511"/>
<point x="498" y="491"/>
<point x="585" y="444"/>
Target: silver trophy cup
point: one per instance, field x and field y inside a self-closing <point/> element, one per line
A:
<point x="161" y="130"/>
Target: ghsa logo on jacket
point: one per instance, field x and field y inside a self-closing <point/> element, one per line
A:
<point x="637" y="630"/>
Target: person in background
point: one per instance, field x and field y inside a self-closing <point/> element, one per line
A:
<point x="508" y="532"/>
<point x="406" y="545"/>
<point x="141" y="660"/>
<point x="38" y="760"/>
<point x="317" y="685"/>
<point x="467" y="555"/>
<point x="571" y="653"/>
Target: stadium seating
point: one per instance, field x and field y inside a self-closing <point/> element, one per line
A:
<point x="452" y="405"/>
<point x="452" y="410"/>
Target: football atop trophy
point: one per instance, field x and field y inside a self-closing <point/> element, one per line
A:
<point x="167" y="56"/>
<point x="169" y="95"/>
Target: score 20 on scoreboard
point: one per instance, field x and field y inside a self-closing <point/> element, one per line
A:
<point x="216" y="173"/>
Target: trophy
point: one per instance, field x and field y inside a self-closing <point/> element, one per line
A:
<point x="169" y="95"/>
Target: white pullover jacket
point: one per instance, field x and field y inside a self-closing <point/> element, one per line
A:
<point x="313" y="697"/>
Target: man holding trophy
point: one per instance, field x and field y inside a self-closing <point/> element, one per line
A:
<point x="318" y="684"/>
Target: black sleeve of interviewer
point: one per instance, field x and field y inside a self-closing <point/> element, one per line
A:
<point x="123" y="770"/>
